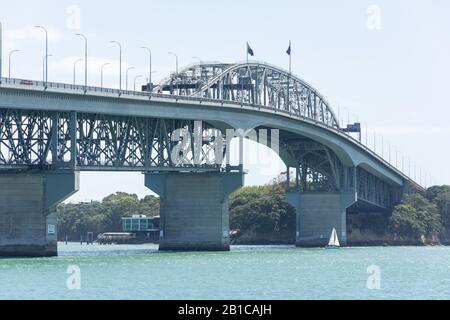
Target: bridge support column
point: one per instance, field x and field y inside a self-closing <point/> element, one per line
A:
<point x="317" y="215"/>
<point x="28" y="205"/>
<point x="194" y="209"/>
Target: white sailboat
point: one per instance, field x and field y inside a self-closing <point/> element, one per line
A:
<point x="334" y="241"/>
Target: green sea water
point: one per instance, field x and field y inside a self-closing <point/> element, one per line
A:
<point x="268" y="273"/>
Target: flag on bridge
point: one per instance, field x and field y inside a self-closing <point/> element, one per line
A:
<point x="250" y="50"/>
<point x="289" y="50"/>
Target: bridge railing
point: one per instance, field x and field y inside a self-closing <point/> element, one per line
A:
<point x="23" y="83"/>
<point x="92" y="89"/>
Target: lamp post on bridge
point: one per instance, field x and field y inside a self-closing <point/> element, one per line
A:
<point x="150" y="83"/>
<point x="9" y="62"/>
<point x="101" y="73"/>
<point x="415" y="172"/>
<point x="403" y="162"/>
<point x="367" y="133"/>
<point x="120" y="64"/>
<point x="128" y="70"/>
<point x="46" y="52"/>
<point x="389" y="144"/>
<point x="374" y="142"/>
<point x="75" y="70"/>
<point x="176" y="72"/>
<point x="409" y="167"/>
<point x="44" y="63"/>
<point x="176" y="60"/>
<point x="420" y="176"/>
<point x="135" y="79"/>
<point x="85" y="59"/>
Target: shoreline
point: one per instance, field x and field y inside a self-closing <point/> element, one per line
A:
<point x="276" y="244"/>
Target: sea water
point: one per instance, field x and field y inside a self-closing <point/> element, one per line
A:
<point x="268" y="273"/>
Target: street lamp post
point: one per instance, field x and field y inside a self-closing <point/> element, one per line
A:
<point x="149" y="88"/>
<point x="44" y="63"/>
<point x="9" y="63"/>
<point x="75" y="70"/>
<point x="85" y="59"/>
<point x="101" y="73"/>
<point x="128" y="70"/>
<point x="135" y="79"/>
<point x="176" y="72"/>
<point x="176" y="59"/>
<point x="46" y="52"/>
<point x="120" y="64"/>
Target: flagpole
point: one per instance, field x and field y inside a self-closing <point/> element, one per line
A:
<point x="246" y="50"/>
<point x="290" y="75"/>
<point x="290" y="58"/>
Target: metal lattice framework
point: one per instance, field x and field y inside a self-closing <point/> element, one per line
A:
<point x="105" y="142"/>
<point x="51" y="140"/>
<point x="318" y="169"/>
<point x="253" y="83"/>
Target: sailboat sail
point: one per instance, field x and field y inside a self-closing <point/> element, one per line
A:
<point x="334" y="240"/>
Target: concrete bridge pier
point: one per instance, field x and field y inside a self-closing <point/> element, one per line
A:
<point x="194" y="209"/>
<point x="317" y="215"/>
<point x="28" y="202"/>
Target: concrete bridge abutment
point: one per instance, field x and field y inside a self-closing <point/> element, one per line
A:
<point x="28" y="209"/>
<point x="194" y="209"/>
<point x="318" y="213"/>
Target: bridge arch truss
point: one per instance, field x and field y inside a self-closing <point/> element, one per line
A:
<point x="254" y="83"/>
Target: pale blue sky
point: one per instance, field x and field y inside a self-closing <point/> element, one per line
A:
<point x="395" y="79"/>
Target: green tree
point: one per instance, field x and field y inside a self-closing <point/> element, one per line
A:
<point x="440" y="195"/>
<point x="262" y="209"/>
<point x="433" y="192"/>
<point x="118" y="206"/>
<point x="75" y="220"/>
<point x="415" y="217"/>
<point x="149" y="206"/>
<point x="443" y="204"/>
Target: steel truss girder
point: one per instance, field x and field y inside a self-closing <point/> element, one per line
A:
<point x="41" y="139"/>
<point x="373" y="190"/>
<point x="320" y="170"/>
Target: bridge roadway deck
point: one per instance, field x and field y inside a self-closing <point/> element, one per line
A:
<point x="18" y="94"/>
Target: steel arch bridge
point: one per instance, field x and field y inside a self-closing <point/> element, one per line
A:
<point x="50" y="127"/>
<point x="255" y="83"/>
<point x="103" y="140"/>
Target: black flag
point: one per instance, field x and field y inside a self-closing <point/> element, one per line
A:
<point x="289" y="51"/>
<point x="250" y="50"/>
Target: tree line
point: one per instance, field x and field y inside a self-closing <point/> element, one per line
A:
<point x="262" y="211"/>
<point x="423" y="216"/>
<point x="76" y="220"/>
